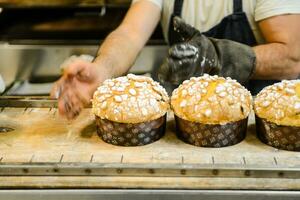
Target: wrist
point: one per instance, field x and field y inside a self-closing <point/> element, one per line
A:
<point x="104" y="67"/>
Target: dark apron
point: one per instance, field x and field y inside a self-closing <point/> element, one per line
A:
<point x="234" y="27"/>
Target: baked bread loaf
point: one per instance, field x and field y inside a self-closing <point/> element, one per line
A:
<point x="211" y="100"/>
<point x="280" y="103"/>
<point x="211" y="111"/>
<point x="130" y="99"/>
<point x="277" y="110"/>
<point x="130" y="110"/>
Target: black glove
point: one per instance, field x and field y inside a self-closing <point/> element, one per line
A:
<point x="198" y="54"/>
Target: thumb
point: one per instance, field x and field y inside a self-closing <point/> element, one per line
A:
<point x="185" y="30"/>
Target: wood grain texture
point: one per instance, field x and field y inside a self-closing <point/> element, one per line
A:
<point x="148" y="183"/>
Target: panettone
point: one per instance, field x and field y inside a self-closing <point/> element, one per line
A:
<point x="130" y="110"/>
<point x="277" y="109"/>
<point x="211" y="111"/>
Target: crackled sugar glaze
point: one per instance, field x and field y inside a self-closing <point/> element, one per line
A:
<point x="130" y="99"/>
<point x="211" y="100"/>
<point x="280" y="103"/>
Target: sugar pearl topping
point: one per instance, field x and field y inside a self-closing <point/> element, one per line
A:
<point x="297" y="106"/>
<point x="132" y="91"/>
<point x="211" y="99"/>
<point x="118" y="98"/>
<point x="130" y="99"/>
<point x="280" y="103"/>
<point x="208" y="112"/>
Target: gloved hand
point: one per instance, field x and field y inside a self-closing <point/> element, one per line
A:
<point x="198" y="54"/>
<point x="75" y="88"/>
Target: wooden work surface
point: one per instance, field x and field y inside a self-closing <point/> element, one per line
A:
<point x="41" y="136"/>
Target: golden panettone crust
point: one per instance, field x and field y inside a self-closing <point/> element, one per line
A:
<point x="211" y="100"/>
<point x="130" y="99"/>
<point x="280" y="103"/>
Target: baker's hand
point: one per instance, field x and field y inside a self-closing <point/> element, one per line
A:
<point x="76" y="86"/>
<point x="197" y="54"/>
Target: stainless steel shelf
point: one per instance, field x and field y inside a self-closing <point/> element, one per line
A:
<point x="107" y="194"/>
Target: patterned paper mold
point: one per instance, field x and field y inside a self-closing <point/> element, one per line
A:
<point x="277" y="109"/>
<point x="278" y="136"/>
<point x="211" y="111"/>
<point x="211" y="135"/>
<point x="127" y="134"/>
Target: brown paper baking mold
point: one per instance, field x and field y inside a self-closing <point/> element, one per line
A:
<point x="280" y="137"/>
<point x="207" y="135"/>
<point x="130" y="134"/>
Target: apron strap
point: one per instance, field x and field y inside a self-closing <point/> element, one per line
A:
<point x="237" y="6"/>
<point x="172" y="35"/>
<point x="177" y="8"/>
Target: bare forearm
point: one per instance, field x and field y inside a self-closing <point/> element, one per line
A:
<point x="118" y="52"/>
<point x="275" y="61"/>
<point x="280" y="58"/>
<point x="120" y="49"/>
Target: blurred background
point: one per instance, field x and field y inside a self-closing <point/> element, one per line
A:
<point x="36" y="36"/>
